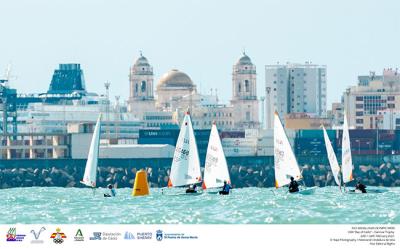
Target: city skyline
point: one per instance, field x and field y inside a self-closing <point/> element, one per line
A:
<point x="109" y="42"/>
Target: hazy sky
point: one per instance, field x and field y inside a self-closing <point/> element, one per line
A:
<point x="203" y="38"/>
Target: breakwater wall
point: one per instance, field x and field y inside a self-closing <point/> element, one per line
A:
<point x="244" y="171"/>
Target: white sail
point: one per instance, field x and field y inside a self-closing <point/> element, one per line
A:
<point x="332" y="158"/>
<point x="285" y="161"/>
<point x="216" y="168"/>
<point x="89" y="178"/>
<point x="347" y="163"/>
<point x="185" y="168"/>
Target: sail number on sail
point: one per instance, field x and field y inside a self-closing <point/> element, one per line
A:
<point x="181" y="154"/>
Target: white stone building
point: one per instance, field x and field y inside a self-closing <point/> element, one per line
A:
<point x="244" y="93"/>
<point x="141" y="93"/>
<point x="295" y="88"/>
<point x="366" y="105"/>
<point x="176" y="93"/>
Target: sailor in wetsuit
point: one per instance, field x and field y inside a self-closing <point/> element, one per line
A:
<point x="112" y="191"/>
<point x="192" y="189"/>
<point x="225" y="189"/>
<point x="293" y="186"/>
<point x="361" y="187"/>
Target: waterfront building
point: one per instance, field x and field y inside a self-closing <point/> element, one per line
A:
<point x="364" y="80"/>
<point x="141" y="93"/>
<point x="305" y="121"/>
<point x="295" y="88"/>
<point x="336" y="114"/>
<point x="244" y="93"/>
<point x="8" y="108"/>
<point x="176" y="93"/>
<point x="365" y="104"/>
<point x="389" y="119"/>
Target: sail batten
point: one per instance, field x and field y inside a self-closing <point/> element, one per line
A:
<point x="286" y="165"/>
<point x="185" y="168"/>
<point x="333" y="162"/>
<point x="216" y="168"/>
<point x="89" y="177"/>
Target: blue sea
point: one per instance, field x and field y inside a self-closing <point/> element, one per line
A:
<point x="52" y="205"/>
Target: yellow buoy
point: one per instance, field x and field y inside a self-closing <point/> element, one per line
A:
<point x="141" y="186"/>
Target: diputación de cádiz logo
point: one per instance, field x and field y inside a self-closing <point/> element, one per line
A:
<point x="37" y="235"/>
<point x="13" y="236"/>
<point x="58" y="237"/>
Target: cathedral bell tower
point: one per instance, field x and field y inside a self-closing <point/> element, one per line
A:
<point x="244" y="99"/>
<point x="141" y="94"/>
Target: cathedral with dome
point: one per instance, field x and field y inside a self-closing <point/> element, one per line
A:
<point x="176" y="93"/>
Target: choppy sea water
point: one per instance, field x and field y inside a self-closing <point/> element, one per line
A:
<point x="38" y="205"/>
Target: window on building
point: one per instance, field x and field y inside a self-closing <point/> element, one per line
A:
<point x="359" y="98"/>
<point x="359" y="113"/>
<point x="359" y="121"/>
<point x="390" y="98"/>
<point x="398" y="121"/>
<point x="239" y="87"/>
<point x="391" y="106"/>
<point x="359" y="106"/>
<point x="143" y="86"/>
<point x="247" y="86"/>
<point x="136" y="87"/>
<point x="248" y="116"/>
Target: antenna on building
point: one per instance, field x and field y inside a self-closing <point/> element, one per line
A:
<point x="211" y="91"/>
<point x="216" y="94"/>
<point x="107" y="86"/>
<point x="140" y="52"/>
<point x="117" y="116"/>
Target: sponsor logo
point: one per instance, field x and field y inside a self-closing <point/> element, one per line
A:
<point x="159" y="235"/>
<point x="79" y="236"/>
<point x="37" y="235"/>
<point x="129" y="235"/>
<point x="144" y="235"/>
<point x="105" y="236"/>
<point x="58" y="237"/>
<point x="13" y="236"/>
<point x="96" y="236"/>
<point x="110" y="236"/>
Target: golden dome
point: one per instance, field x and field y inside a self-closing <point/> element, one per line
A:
<point x="175" y="78"/>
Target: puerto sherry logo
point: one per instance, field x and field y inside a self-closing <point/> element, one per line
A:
<point x="144" y="235"/>
<point x="12" y="235"/>
<point x="129" y="236"/>
<point x="79" y="236"/>
<point x="96" y="236"/>
<point x="58" y="237"/>
<point x="159" y="235"/>
<point x="36" y="235"/>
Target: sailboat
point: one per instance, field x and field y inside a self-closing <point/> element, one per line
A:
<point x="286" y="165"/>
<point x="216" y="169"/>
<point x="185" y="168"/>
<point x="333" y="162"/>
<point x="89" y="177"/>
<point x="347" y="162"/>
